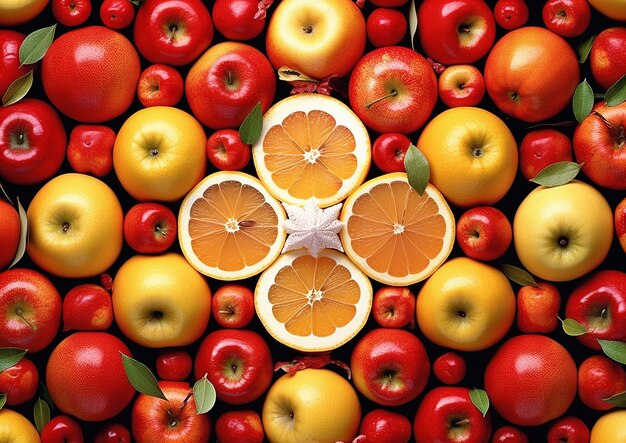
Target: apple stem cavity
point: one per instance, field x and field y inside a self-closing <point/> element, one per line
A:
<point x="20" y="313"/>
<point x="393" y="93"/>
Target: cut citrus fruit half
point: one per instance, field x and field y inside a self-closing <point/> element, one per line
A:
<point x="313" y="304"/>
<point x="230" y="227"/>
<point x="312" y="145"/>
<point x="393" y="234"/>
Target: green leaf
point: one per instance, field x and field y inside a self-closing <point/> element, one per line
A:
<point x="6" y="196"/>
<point x="204" y="395"/>
<point x="582" y="103"/>
<point x="21" y="247"/>
<point x="18" y="89"/>
<point x="518" y="275"/>
<point x="44" y="394"/>
<point x="572" y="328"/>
<point x="250" y="129"/>
<point x="417" y="169"/>
<point x="557" y="174"/>
<point x="615" y="350"/>
<point x="10" y="356"/>
<point x="141" y="378"/>
<point x="3" y="400"/>
<point x="480" y="399"/>
<point x="36" y="44"/>
<point x="618" y="400"/>
<point x="584" y="49"/>
<point x="412" y="23"/>
<point x="616" y="94"/>
<point x="41" y="413"/>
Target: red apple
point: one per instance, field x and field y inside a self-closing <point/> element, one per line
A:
<point x="173" y="32"/>
<point x="238" y="19"/>
<point x="461" y="85"/>
<point x="388" y="151"/>
<point x="113" y="432"/>
<point x="32" y="142"/>
<point x="568" y="18"/>
<point x="10" y="69"/>
<point x="117" y="14"/>
<point x="538" y="308"/>
<point x="174" y="365"/>
<point x="388" y="3"/>
<point x="71" y="12"/>
<point x="62" y="429"/>
<point x="484" y="233"/>
<point x="384" y="426"/>
<point x="456" y="32"/>
<point x="30" y="309"/>
<point x="390" y="366"/>
<point x="19" y="382"/>
<point x="173" y="420"/>
<point x="238" y="363"/>
<point x="90" y="149"/>
<point x="385" y="27"/>
<point x="239" y="426"/>
<point x="393" y="89"/>
<point x="150" y="228"/>
<point x="87" y="307"/>
<point x="447" y="414"/>
<point x="599" y="142"/>
<point x="599" y="378"/>
<point x="620" y="223"/>
<point x="232" y="305"/>
<point x="226" y="151"/>
<point x="599" y="304"/>
<point x="509" y="434"/>
<point x="606" y="58"/>
<point x="10" y="232"/>
<point x="542" y="147"/>
<point x="450" y="368"/>
<point x="160" y="85"/>
<point x="568" y="429"/>
<point x="511" y="14"/>
<point x="394" y="307"/>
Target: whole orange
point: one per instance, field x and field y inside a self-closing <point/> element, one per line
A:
<point x="9" y="233"/>
<point x="90" y="74"/>
<point x="86" y="378"/>
<point x="531" y="73"/>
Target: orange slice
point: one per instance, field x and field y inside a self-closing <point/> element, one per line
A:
<point x="312" y="145"/>
<point x="313" y="304"/>
<point x="230" y="227"/>
<point x="393" y="234"/>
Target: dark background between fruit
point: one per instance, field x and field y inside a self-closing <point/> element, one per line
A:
<point x="476" y="361"/>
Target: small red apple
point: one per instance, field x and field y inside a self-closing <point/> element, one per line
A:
<point x="568" y="18"/>
<point x="232" y="305"/>
<point x="620" y="223"/>
<point x="117" y="14"/>
<point x="606" y="58"/>
<point x="385" y="27"/>
<point x="10" y="231"/>
<point x="450" y="368"/>
<point x="509" y="434"/>
<point x="394" y="307"/>
<point x="71" y="12"/>
<point x="461" y="85"/>
<point x="511" y="14"/>
<point x="226" y="151"/>
<point x="87" y="307"/>
<point x="174" y="365"/>
<point x="62" y="429"/>
<point x="599" y="378"/>
<point x="239" y="426"/>
<point x="90" y="149"/>
<point x="160" y="85"/>
<point x="238" y="19"/>
<point x="388" y="151"/>
<point x="19" y="382"/>
<point x="542" y="147"/>
<point x="150" y="228"/>
<point x="113" y="433"/>
<point x="484" y="233"/>
<point x="568" y="429"/>
<point x="10" y="67"/>
<point x="538" y="308"/>
<point x="385" y="426"/>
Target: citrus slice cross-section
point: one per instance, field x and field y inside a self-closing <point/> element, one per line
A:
<point x="313" y="304"/>
<point x="393" y="234"/>
<point x="230" y="227"/>
<point x="312" y="145"/>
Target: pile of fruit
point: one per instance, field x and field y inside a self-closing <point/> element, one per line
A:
<point x="313" y="221"/>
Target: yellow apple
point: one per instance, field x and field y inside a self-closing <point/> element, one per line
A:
<point x="564" y="232"/>
<point x="610" y="427"/>
<point x="160" y="153"/>
<point x="313" y="406"/>
<point x="615" y="9"/>
<point x="17" y="12"/>
<point x="15" y="428"/>
<point x="161" y="301"/>
<point x="317" y="38"/>
<point x="75" y="226"/>
<point x="466" y="305"/>
<point x="472" y="155"/>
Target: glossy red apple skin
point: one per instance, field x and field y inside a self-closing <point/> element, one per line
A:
<point x="385" y="27"/>
<point x="113" y="433"/>
<point x="484" y="233"/>
<point x="62" y="429"/>
<point x="394" y="306"/>
<point x="440" y="412"/>
<point x="232" y="306"/>
<point x="90" y="149"/>
<point x="239" y="426"/>
<point x="599" y="377"/>
<point x="10" y="69"/>
<point x="450" y="368"/>
<point x="538" y="308"/>
<point x="620" y="223"/>
<point x="150" y="228"/>
<point x="117" y="14"/>
<point x="154" y="419"/>
<point x="226" y="151"/>
<point x="599" y="304"/>
<point x="606" y="58"/>
<point x="32" y="142"/>
<point x="173" y="32"/>
<point x="71" y="12"/>
<point x="238" y="363"/>
<point x="511" y="14"/>
<point x="457" y="32"/>
<point x="10" y="231"/>
<point x="461" y="85"/>
<point x="509" y="434"/>
<point x="160" y="85"/>
<point x="19" y="382"/>
<point x="30" y="309"/>
<point x="174" y="365"/>
<point x="568" y="18"/>
<point x="87" y="307"/>
<point x="385" y="426"/>
<point x="568" y="429"/>
<point x="388" y="151"/>
<point x="390" y="366"/>
<point x="542" y="147"/>
<point x="237" y="19"/>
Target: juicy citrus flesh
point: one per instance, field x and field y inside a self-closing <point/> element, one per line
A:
<point x="230" y="227"/>
<point x="393" y="234"/>
<point x="313" y="303"/>
<point x="313" y="146"/>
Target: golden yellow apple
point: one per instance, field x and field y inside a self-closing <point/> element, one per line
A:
<point x="15" y="428"/>
<point x="615" y="9"/>
<point x="17" y="12"/>
<point x="611" y="427"/>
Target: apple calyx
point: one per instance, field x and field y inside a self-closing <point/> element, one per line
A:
<point x="311" y="361"/>
<point x="302" y="83"/>
<point x="437" y="67"/>
<point x="106" y="281"/>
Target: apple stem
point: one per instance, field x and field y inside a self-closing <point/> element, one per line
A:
<point x="393" y="93"/>
<point x="173" y="30"/>
<point x="603" y="118"/>
<point x="229" y="311"/>
<point x="20" y="313"/>
<point x="172" y="420"/>
<point x="463" y="422"/>
<point x="20" y="138"/>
